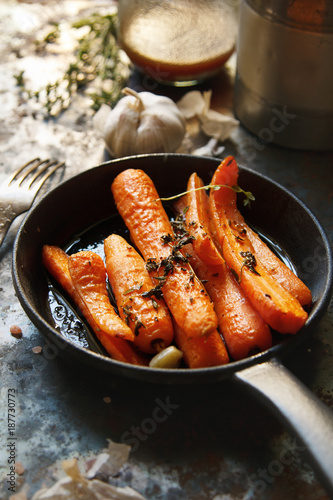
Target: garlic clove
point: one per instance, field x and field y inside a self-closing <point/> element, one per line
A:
<point x="192" y="104"/>
<point x="218" y="125"/>
<point x="212" y="123"/>
<point x="162" y="127"/>
<point x="212" y="148"/>
<point x="170" y="357"/>
<point x="100" y="118"/>
<point x="120" y="132"/>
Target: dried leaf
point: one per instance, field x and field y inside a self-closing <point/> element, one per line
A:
<point x="213" y="124"/>
<point x="192" y="104"/>
<point x="110" y="461"/>
<point x="78" y="486"/>
<point x="217" y="125"/>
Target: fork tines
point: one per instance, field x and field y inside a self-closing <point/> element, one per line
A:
<point x="33" y="166"/>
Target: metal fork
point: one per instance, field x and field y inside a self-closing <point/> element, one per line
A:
<point x="18" y="192"/>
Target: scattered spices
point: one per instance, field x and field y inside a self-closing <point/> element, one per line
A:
<point x="176" y="242"/>
<point x="155" y="305"/>
<point x="127" y="313"/>
<point x="16" y="331"/>
<point x="151" y="265"/>
<point x="250" y="262"/>
<point x="19" y="469"/>
<point x="138" y="324"/>
<point x="134" y="288"/>
<point x="37" y="349"/>
<point x="157" y="290"/>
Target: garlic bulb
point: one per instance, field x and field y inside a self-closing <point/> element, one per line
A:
<point x="141" y="123"/>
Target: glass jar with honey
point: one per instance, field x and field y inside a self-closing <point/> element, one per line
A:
<point x="178" y="42"/>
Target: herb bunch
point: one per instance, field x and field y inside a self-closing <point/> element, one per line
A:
<point x="98" y="69"/>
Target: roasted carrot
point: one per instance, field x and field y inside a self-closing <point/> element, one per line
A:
<point x="139" y="205"/>
<point x="147" y="315"/>
<point x="278" y="270"/>
<point x="55" y="261"/>
<point x="279" y="308"/>
<point x="198" y="222"/>
<point x="201" y="352"/>
<point x="242" y="327"/>
<point x="88" y="274"/>
<point x="228" y="174"/>
<point x="180" y="206"/>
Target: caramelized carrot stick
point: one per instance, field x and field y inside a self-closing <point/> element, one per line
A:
<point x="140" y="207"/>
<point x="147" y="315"/>
<point x="88" y="274"/>
<point x="198" y="222"/>
<point x="180" y="206"/>
<point x="55" y="261"/>
<point x="277" y="306"/>
<point x="243" y="329"/>
<point x="201" y="352"/>
<point x="278" y="270"/>
<point x="228" y="174"/>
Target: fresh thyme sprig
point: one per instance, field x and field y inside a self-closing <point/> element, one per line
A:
<point x="99" y="70"/>
<point x="248" y="195"/>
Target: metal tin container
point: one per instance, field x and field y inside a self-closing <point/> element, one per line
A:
<point x="284" y="80"/>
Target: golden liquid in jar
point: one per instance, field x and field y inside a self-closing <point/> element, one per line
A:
<point x="174" y="40"/>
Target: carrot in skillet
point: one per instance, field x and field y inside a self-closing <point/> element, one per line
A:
<point x="244" y="330"/>
<point x="139" y="205"/>
<point x="55" y="261"/>
<point x="227" y="173"/>
<point x="242" y="327"/>
<point x="147" y="315"/>
<point x="88" y="274"/>
<point x="278" y="270"/>
<point x="279" y="308"/>
<point x="198" y="222"/>
<point x="201" y="352"/>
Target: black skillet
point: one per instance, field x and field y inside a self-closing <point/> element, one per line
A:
<point x="85" y="200"/>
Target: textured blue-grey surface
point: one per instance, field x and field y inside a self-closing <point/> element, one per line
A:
<point x="215" y="444"/>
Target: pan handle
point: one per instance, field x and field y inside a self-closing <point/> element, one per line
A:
<point x="303" y="413"/>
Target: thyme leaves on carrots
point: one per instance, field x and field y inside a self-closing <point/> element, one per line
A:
<point x="133" y="289"/>
<point x="250" y="262"/>
<point x="138" y="324"/>
<point x="151" y="265"/>
<point x="167" y="264"/>
<point x="215" y="187"/>
<point x="155" y="292"/>
<point x="129" y="317"/>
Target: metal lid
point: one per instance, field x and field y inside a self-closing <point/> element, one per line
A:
<point x="307" y="15"/>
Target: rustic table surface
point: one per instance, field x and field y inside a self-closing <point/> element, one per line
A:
<point x="218" y="445"/>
